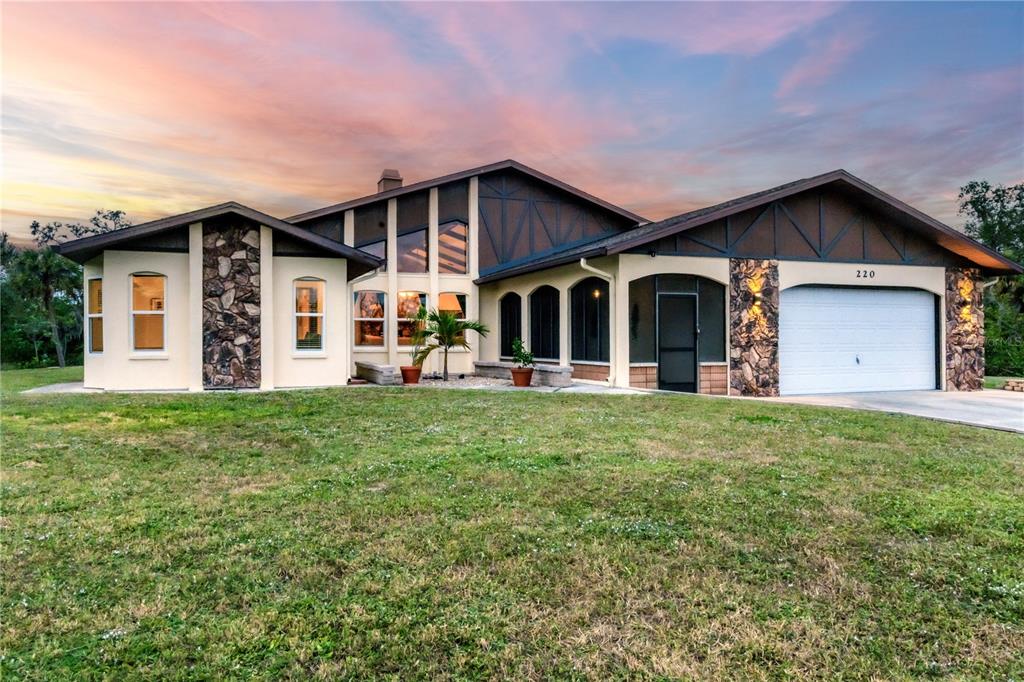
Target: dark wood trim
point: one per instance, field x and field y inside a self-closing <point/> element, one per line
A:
<point x="463" y="175"/>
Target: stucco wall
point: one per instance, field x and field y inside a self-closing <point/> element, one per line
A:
<point x="328" y="367"/>
<point x="120" y="367"/>
<point x="94" y="363"/>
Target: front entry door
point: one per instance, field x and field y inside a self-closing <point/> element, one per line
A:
<point x="677" y="342"/>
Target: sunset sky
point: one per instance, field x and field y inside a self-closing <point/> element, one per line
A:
<point x="162" y="108"/>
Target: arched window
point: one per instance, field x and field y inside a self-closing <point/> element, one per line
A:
<point x="148" y="320"/>
<point x="544" y="323"/>
<point x="589" y="320"/>
<point x="309" y="314"/>
<point x="511" y="322"/>
<point x="368" y="313"/>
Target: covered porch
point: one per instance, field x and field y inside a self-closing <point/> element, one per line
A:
<point x="629" y="321"/>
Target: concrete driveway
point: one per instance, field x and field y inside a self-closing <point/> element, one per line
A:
<point x="993" y="409"/>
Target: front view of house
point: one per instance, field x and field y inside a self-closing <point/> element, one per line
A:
<point x="822" y="285"/>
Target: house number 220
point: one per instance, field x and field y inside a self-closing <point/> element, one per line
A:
<point x="865" y="274"/>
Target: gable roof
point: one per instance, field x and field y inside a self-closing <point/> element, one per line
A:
<point x="82" y="250"/>
<point x="942" y="234"/>
<point x="463" y="175"/>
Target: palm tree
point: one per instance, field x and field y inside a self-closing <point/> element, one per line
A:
<point x="442" y="329"/>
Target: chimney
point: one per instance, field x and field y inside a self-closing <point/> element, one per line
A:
<point x="389" y="179"/>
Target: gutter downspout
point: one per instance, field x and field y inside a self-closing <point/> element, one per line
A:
<point x="611" y="316"/>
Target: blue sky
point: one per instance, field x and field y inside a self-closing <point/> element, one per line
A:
<point x="660" y="108"/>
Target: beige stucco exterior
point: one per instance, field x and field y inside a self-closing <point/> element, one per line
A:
<point x="294" y="368"/>
<point x="119" y="367"/>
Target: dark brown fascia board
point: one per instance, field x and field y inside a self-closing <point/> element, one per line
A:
<point x="553" y="262"/>
<point x="86" y="246"/>
<point x="463" y="175"/>
<point x="680" y="223"/>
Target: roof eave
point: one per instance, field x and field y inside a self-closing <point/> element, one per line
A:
<point x="84" y="249"/>
<point x="462" y="175"/>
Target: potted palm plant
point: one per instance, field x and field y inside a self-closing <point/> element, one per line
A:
<point x="442" y="329"/>
<point x="522" y="373"/>
<point x="411" y="373"/>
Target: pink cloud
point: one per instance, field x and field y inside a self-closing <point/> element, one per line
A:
<point x="819" y="65"/>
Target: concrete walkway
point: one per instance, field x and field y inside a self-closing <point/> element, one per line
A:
<point x="993" y="409"/>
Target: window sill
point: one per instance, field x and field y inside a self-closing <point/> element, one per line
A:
<point x="313" y="355"/>
<point x="369" y="349"/>
<point x="595" y="363"/>
<point x="160" y="355"/>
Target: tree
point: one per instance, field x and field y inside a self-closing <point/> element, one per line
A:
<point x="41" y="291"/>
<point x="55" y="282"/>
<point x="995" y="217"/>
<point x="442" y="329"/>
<point x="56" y="232"/>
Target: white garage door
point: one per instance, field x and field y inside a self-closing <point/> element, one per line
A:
<point x="835" y="340"/>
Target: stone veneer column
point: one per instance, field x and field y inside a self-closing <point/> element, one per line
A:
<point x="231" y="305"/>
<point x="754" y="327"/>
<point x="965" y="330"/>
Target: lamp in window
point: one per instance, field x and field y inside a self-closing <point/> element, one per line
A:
<point x="450" y="303"/>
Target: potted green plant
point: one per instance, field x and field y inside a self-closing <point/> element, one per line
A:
<point x="411" y="373"/>
<point x="442" y="329"/>
<point x="522" y="373"/>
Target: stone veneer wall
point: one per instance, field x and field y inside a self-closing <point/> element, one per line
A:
<point x="231" y="305"/>
<point x="754" y="327"/>
<point x="965" y="330"/>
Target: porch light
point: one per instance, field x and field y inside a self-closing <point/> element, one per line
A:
<point x="597" y="293"/>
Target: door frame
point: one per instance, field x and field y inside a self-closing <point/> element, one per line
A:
<point x="696" y="335"/>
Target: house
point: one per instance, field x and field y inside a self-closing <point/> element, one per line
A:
<point x="826" y="284"/>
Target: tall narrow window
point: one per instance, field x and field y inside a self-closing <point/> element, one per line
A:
<point x="409" y="304"/>
<point x="454" y="304"/>
<point x="94" y="312"/>
<point x="544" y="324"/>
<point x="369" y="318"/>
<point x="590" y="320"/>
<point x="148" y="311"/>
<point x="451" y="248"/>
<point x="412" y="251"/>
<point x="309" y="314"/>
<point x="511" y="322"/>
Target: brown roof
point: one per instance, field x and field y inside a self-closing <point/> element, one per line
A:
<point x="944" y="235"/>
<point x="82" y="250"/>
<point x="462" y="175"/>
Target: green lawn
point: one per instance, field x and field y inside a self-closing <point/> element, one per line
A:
<point x="426" y="533"/>
<point x="996" y="382"/>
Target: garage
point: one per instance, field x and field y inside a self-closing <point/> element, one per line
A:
<point x="844" y="340"/>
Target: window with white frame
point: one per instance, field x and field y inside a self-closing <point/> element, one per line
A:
<point x="409" y="304"/>
<point x="368" y="313"/>
<point x="148" y="312"/>
<point x="94" y="313"/>
<point x="309" y="314"/>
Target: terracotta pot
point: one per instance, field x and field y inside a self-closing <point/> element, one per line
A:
<point x="522" y="376"/>
<point x="411" y="375"/>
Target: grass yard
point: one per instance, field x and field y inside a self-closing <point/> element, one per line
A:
<point x="996" y="382"/>
<point x="405" y="534"/>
